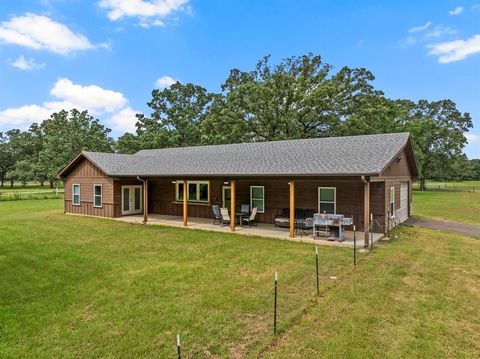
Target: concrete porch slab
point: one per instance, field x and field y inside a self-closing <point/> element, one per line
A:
<point x="262" y="229"/>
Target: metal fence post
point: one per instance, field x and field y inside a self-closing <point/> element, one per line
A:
<point x="354" y="247"/>
<point x="316" y="270"/>
<point x="275" y="305"/>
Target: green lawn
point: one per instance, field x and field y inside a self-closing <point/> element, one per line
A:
<point x="75" y="286"/>
<point x="450" y="206"/>
<point x="416" y="297"/>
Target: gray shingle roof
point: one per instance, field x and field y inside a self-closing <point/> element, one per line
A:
<point x="349" y="155"/>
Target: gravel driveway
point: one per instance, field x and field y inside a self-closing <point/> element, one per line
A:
<point x="462" y="228"/>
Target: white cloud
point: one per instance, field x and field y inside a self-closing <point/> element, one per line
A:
<point x="124" y="120"/>
<point x="23" y="64"/>
<point x="439" y="31"/>
<point x="150" y="12"/>
<point x="89" y="97"/>
<point x="420" y="28"/>
<point x="471" y="137"/>
<point x="25" y="114"/>
<point x="456" y="50"/>
<point x="408" y="41"/>
<point x="164" y="82"/>
<point x="42" y="33"/>
<point x="95" y="99"/>
<point x="457" y="11"/>
<point x="475" y="7"/>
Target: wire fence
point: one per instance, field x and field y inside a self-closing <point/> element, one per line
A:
<point x="447" y="186"/>
<point x="19" y="196"/>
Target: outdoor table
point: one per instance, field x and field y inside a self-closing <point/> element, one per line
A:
<point x="240" y="216"/>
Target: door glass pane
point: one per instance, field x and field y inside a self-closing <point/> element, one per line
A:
<point x="203" y="192"/>
<point x="137" y="198"/>
<point x="327" y="207"/>
<point x="126" y="199"/>
<point x="227" y="197"/>
<point x="192" y="191"/>
<point x="180" y="192"/>
<point x="259" y="204"/>
<point x="327" y="194"/>
<point x="257" y="192"/>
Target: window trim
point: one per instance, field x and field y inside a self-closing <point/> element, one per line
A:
<point x="334" y="199"/>
<point x="391" y="204"/>
<point x="96" y="195"/>
<point x="197" y="183"/>
<point x="223" y="194"/>
<point x="263" y="199"/>
<point x="73" y="194"/>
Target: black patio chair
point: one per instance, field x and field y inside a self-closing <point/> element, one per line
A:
<point x="217" y="216"/>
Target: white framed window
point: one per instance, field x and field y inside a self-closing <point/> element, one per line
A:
<point x="327" y="200"/>
<point x="76" y="194"/>
<point x="226" y="197"/>
<point x="257" y="198"/>
<point x="197" y="191"/>
<point x="97" y="195"/>
<point x="392" y="202"/>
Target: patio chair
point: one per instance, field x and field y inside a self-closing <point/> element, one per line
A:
<point x="217" y="216"/>
<point x="225" y="217"/>
<point x="251" y="220"/>
<point x="245" y="209"/>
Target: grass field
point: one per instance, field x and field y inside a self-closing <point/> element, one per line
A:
<point x="450" y="206"/>
<point x="416" y="297"/>
<point x="75" y="286"/>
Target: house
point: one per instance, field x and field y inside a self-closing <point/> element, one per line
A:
<point x="367" y="178"/>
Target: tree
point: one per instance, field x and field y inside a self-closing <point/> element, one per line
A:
<point x="65" y="135"/>
<point x="438" y="132"/>
<point x="22" y="172"/>
<point x="19" y="148"/>
<point x="177" y="114"/>
<point x="299" y="98"/>
<point x="6" y="157"/>
<point x="128" y="143"/>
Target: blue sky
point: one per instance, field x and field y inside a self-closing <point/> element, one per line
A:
<point x="108" y="55"/>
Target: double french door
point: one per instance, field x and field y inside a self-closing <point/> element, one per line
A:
<point x="132" y="200"/>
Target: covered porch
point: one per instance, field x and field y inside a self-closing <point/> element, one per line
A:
<point x="189" y="203"/>
<point x="261" y="229"/>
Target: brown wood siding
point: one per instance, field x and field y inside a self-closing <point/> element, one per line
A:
<point x="399" y="168"/>
<point x="87" y="175"/>
<point x="349" y="199"/>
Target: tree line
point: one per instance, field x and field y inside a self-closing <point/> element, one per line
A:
<point x="300" y="97"/>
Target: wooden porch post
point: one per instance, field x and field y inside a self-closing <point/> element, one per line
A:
<point x="366" y="212"/>
<point x="145" y="201"/>
<point x="292" y="209"/>
<point x="185" y="202"/>
<point x="232" y="205"/>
